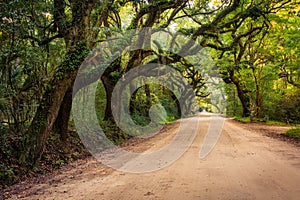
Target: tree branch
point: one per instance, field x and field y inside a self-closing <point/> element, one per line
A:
<point x="43" y="42"/>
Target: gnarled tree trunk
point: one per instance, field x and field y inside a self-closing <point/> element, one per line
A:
<point x="56" y="100"/>
<point x="50" y="105"/>
<point x="244" y="98"/>
<point x="62" y="120"/>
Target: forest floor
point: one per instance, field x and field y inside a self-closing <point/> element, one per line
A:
<point x="250" y="161"/>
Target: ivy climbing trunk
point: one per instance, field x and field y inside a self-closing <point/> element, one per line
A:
<point x="55" y="104"/>
<point x="50" y="105"/>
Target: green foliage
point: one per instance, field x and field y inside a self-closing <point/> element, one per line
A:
<point x="72" y="60"/>
<point x="170" y="119"/>
<point x="265" y="68"/>
<point x="242" y="119"/>
<point x="100" y="100"/>
<point x="140" y="119"/>
<point x="112" y="132"/>
<point x="142" y="103"/>
<point x="294" y="133"/>
<point x="259" y="120"/>
<point x="272" y="122"/>
<point x="27" y="63"/>
<point x="6" y="173"/>
<point x="233" y="104"/>
<point x="288" y="108"/>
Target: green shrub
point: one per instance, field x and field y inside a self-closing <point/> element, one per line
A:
<point x="294" y="133"/>
<point x="288" y="109"/>
<point x="242" y="119"/>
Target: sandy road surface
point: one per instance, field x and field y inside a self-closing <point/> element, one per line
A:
<point x="244" y="164"/>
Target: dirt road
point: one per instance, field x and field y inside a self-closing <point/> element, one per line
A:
<point x="245" y="164"/>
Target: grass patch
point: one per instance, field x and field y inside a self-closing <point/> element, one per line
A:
<point x="259" y="120"/>
<point x="242" y="119"/>
<point x="276" y="123"/>
<point x="294" y="133"/>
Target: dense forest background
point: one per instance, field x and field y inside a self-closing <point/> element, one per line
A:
<point x="254" y="44"/>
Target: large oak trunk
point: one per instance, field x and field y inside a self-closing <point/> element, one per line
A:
<point x="50" y="105"/>
<point x="62" y="120"/>
<point x="244" y="98"/>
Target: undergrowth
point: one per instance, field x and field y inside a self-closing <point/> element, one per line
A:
<point x="56" y="154"/>
<point x="294" y="133"/>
